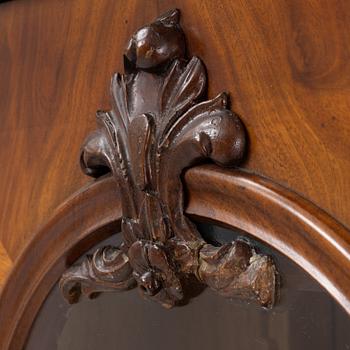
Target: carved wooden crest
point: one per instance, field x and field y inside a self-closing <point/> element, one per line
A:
<point x="159" y="125"/>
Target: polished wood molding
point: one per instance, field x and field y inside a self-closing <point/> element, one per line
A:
<point x="271" y="213"/>
<point x="280" y="218"/>
<point x="160" y="124"/>
<point x="79" y="223"/>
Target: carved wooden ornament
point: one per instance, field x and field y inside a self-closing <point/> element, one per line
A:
<point x="159" y="125"/>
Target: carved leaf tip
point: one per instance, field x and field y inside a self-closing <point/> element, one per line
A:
<point x="95" y="155"/>
<point x="171" y="17"/>
<point x="120" y="100"/>
<point x="183" y="86"/>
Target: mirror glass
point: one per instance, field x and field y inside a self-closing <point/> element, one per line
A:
<point x="305" y="317"/>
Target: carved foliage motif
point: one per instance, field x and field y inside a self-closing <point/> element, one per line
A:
<point x="158" y="127"/>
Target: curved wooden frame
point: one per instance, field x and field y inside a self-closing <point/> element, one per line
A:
<point x="276" y="216"/>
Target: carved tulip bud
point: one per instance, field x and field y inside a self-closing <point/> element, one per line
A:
<point x="154" y="273"/>
<point x="158" y="43"/>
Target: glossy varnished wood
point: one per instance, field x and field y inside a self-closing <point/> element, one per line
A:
<point x="289" y="223"/>
<point x="303" y="232"/>
<point x="285" y="63"/>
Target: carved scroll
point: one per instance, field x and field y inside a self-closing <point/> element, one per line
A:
<point x="159" y="125"/>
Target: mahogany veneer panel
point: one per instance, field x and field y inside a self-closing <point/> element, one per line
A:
<point x="284" y="63"/>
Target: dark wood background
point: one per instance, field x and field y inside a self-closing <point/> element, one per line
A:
<point x="286" y="65"/>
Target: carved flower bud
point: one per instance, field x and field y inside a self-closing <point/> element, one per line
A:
<point x="158" y="43"/>
<point x="154" y="274"/>
<point x="148" y="283"/>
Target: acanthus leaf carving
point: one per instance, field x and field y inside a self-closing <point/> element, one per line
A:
<point x="159" y="125"/>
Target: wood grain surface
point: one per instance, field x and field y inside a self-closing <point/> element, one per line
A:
<point x="286" y="65"/>
<point x="5" y="265"/>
